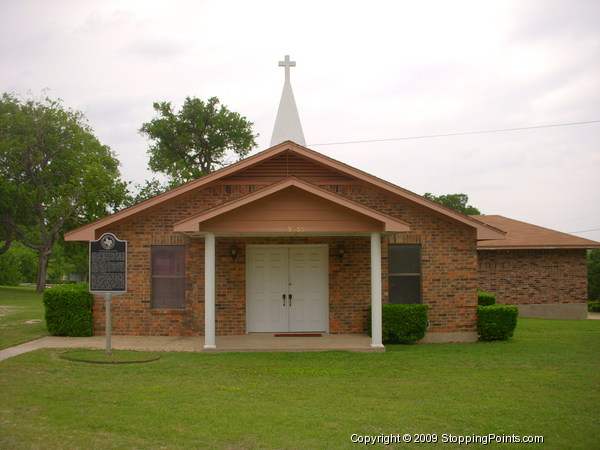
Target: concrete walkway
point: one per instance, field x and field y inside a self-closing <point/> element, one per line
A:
<point x="244" y="343"/>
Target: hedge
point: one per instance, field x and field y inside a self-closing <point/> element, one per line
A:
<point x="69" y="310"/>
<point x="485" y="298"/>
<point x="594" y="306"/>
<point x="402" y="324"/>
<point x="496" y="322"/>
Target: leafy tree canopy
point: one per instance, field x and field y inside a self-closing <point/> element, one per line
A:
<point x="197" y="139"/>
<point x="151" y="188"/>
<point x="54" y="174"/>
<point x="457" y="202"/>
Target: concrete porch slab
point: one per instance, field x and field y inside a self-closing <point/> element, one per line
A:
<point x="267" y="342"/>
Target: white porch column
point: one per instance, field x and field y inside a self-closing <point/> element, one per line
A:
<point x="376" y="340"/>
<point x="209" y="291"/>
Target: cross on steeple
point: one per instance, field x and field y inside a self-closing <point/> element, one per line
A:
<point x="287" y="64"/>
<point x="287" y="124"/>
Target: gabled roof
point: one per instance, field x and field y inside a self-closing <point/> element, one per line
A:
<point x="88" y="232"/>
<point x="312" y="209"/>
<point x="522" y="235"/>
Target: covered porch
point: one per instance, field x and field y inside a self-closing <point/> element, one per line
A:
<point x="291" y="209"/>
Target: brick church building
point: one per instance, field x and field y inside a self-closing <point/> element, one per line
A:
<point x="292" y="241"/>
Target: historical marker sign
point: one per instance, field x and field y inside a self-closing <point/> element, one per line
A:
<point x="108" y="265"/>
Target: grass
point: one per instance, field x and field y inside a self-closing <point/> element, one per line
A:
<point x="543" y="381"/>
<point x="21" y="315"/>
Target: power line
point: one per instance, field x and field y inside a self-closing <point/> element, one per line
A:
<point x="465" y="133"/>
<point x="584" y="231"/>
<point x="577" y="218"/>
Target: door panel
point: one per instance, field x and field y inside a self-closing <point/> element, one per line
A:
<point x="266" y="283"/>
<point x="299" y="274"/>
<point x="307" y="285"/>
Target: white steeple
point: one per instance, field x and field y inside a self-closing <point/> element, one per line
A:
<point x="287" y="124"/>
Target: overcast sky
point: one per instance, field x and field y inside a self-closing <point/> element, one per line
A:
<point x="366" y="71"/>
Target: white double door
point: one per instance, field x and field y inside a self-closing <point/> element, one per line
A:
<point x="287" y="288"/>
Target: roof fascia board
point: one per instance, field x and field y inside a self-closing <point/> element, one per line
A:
<point x="88" y="232"/>
<point x="190" y="224"/>
<point x="539" y="247"/>
<point x="484" y="231"/>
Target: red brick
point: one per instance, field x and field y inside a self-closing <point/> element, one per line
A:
<point x="520" y="277"/>
<point x="449" y="276"/>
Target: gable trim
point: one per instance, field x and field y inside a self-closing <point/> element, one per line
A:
<point x="88" y="232"/>
<point x="389" y="224"/>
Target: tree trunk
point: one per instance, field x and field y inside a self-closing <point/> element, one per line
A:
<point x="7" y="239"/>
<point x="43" y="260"/>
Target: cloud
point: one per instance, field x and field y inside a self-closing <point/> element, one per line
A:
<point x="155" y="48"/>
<point x="364" y="71"/>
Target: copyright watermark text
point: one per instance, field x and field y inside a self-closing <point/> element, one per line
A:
<point x="445" y="438"/>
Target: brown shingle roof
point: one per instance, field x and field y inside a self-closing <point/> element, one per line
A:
<point x="521" y="235"/>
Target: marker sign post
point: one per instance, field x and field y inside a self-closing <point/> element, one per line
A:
<point x="108" y="272"/>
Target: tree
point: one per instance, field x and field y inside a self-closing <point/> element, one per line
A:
<point x="151" y="188"/>
<point x="54" y="173"/>
<point x="18" y="265"/>
<point x="196" y="140"/>
<point x="457" y="202"/>
<point x="10" y="268"/>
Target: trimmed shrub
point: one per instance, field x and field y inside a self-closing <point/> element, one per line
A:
<point x="594" y="306"/>
<point x="496" y="322"/>
<point x="69" y="310"/>
<point x="402" y="324"/>
<point x="485" y="298"/>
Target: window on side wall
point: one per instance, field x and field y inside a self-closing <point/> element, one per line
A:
<point x="168" y="276"/>
<point x="404" y="271"/>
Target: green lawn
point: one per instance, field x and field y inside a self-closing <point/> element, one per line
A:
<point x="543" y="381"/>
<point x="21" y="315"/>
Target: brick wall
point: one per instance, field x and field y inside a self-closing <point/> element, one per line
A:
<point x="449" y="261"/>
<point x="448" y="257"/>
<point x="520" y="277"/>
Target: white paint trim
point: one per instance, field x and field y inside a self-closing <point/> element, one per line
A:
<point x="209" y="291"/>
<point x="376" y="316"/>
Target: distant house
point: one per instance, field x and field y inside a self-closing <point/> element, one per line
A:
<point x="542" y="271"/>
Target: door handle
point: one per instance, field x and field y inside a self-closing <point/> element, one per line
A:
<point x="283" y="297"/>
<point x="290" y="299"/>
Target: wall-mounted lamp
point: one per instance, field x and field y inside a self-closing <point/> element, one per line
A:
<point x="341" y="251"/>
<point x="234" y="252"/>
